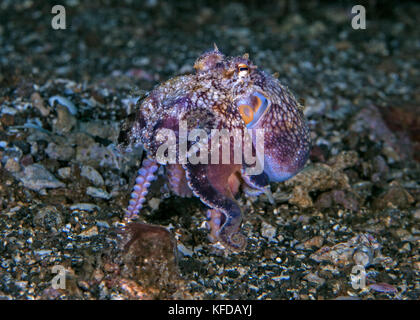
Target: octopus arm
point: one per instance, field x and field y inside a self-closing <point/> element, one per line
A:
<point x="211" y="183"/>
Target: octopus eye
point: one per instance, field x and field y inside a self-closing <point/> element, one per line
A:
<point x="246" y="112"/>
<point x="242" y="67"/>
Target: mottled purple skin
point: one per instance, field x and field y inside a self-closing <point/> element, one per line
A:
<point x="209" y="99"/>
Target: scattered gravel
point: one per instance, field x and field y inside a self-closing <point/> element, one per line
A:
<point x="64" y="185"/>
<point x="37" y="177"/>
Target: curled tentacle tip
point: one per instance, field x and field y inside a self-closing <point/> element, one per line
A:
<point x="237" y="242"/>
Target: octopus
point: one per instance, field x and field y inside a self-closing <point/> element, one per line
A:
<point x="225" y="94"/>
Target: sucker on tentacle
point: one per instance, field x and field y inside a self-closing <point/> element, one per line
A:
<point x="146" y="175"/>
<point x="177" y="180"/>
<point x="215" y="220"/>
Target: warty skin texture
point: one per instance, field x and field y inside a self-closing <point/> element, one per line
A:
<point x="224" y="93"/>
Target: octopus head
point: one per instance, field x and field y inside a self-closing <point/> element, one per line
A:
<point x="263" y="103"/>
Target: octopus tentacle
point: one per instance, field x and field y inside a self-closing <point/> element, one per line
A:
<point x="256" y="185"/>
<point x="230" y="233"/>
<point x="178" y="181"/>
<point x="146" y="175"/>
<point x="215" y="220"/>
<point x="251" y="191"/>
<point x="226" y="228"/>
<point x="210" y="183"/>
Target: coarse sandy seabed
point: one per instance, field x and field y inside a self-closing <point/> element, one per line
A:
<point x="64" y="185"/>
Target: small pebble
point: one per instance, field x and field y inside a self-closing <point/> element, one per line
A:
<point x="90" y="207"/>
<point x="64" y="102"/>
<point x="12" y="165"/>
<point x="98" y="193"/>
<point x="36" y="177"/>
<point x="89" y="233"/>
<point x="268" y="231"/>
<point x="64" y="173"/>
<point x="92" y="175"/>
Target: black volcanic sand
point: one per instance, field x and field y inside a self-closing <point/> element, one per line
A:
<point x="64" y="185"/>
